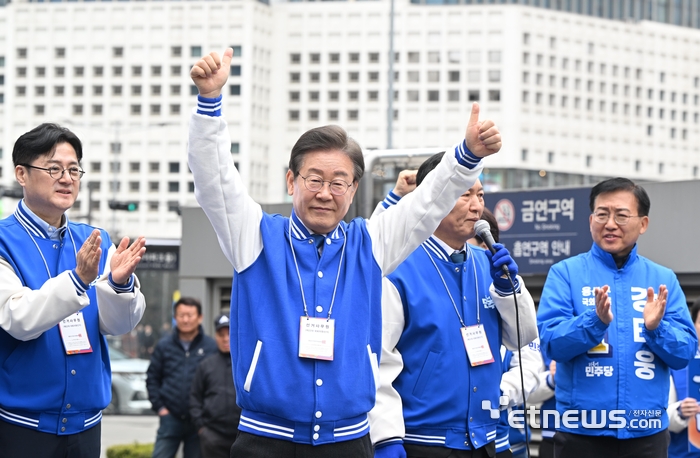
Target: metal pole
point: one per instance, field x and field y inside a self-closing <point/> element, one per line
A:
<point x="115" y="150"/>
<point x="89" y="212"/>
<point x="390" y="95"/>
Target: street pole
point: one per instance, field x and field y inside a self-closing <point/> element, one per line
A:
<point x="89" y="212"/>
<point x="116" y="148"/>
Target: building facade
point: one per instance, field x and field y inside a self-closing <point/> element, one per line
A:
<point x="576" y="96"/>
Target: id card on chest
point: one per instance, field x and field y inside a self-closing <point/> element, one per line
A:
<point x="316" y="338"/>
<point x="74" y="334"/>
<point x="477" y="345"/>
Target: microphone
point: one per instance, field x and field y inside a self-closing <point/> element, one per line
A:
<point x="483" y="230"/>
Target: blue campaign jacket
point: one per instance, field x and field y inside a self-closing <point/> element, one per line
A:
<point x="441" y="392"/>
<point x="678" y="448"/>
<point x="629" y="370"/>
<point x="266" y="307"/>
<point x="40" y="385"/>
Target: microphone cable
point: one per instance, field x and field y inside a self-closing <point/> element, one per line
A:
<point x="520" y="364"/>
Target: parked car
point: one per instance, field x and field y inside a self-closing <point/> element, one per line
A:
<point x="129" y="395"/>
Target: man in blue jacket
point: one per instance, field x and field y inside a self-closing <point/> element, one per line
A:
<point x="446" y="311"/>
<point x="306" y="322"/>
<point x="616" y="323"/>
<point x="63" y="287"/>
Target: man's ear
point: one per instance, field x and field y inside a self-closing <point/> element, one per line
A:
<point x="644" y="220"/>
<point x="21" y="175"/>
<point x="353" y="190"/>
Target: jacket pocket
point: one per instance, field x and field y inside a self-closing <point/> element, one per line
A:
<point x="375" y="366"/>
<point x="253" y="365"/>
<point x="13" y="358"/>
<point x="425" y="373"/>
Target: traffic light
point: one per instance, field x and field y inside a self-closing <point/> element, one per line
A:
<point x="130" y="206"/>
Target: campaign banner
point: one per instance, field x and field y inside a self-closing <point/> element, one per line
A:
<point x="542" y="227"/>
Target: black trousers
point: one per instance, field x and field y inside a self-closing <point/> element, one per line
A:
<point x="19" y="442"/>
<point x="252" y="446"/>
<point x="213" y="444"/>
<point x="424" y="451"/>
<point x="547" y="448"/>
<point x="567" y="445"/>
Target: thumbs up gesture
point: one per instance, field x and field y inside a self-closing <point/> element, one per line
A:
<point x="483" y="137"/>
<point x="210" y="73"/>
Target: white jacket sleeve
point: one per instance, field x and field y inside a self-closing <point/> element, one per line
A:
<point x="528" y="317"/>
<point x="119" y="312"/>
<point x="544" y="390"/>
<point x="26" y="313"/>
<point x="399" y="230"/>
<point x="532" y="365"/>
<point x="386" y="418"/>
<point x="219" y="189"/>
<point x="676" y="424"/>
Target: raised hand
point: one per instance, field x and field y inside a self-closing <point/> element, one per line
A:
<point x="483" y="138"/>
<point x="654" y="309"/>
<point x="602" y="304"/>
<point x="126" y="258"/>
<point x="499" y="259"/>
<point x="405" y="183"/>
<point x="210" y="73"/>
<point x="88" y="258"/>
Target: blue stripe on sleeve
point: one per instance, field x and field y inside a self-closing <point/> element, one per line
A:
<point x="209" y="107"/>
<point x="508" y="292"/>
<point x="390" y="199"/>
<point x="466" y="157"/>
<point x="80" y="287"/>
<point x="125" y="288"/>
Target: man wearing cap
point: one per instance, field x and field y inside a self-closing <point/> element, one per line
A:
<point x="213" y="398"/>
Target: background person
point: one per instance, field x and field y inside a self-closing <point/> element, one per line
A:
<point x="305" y="304"/>
<point x="213" y="398"/>
<point x="512" y="441"/>
<point x="613" y="338"/>
<point x="169" y="379"/>
<point x="63" y="287"/>
<point x="432" y="392"/>
<point x="681" y="410"/>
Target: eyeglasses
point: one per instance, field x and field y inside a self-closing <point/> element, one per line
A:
<point x="620" y="218"/>
<point x="56" y="172"/>
<point x="314" y="183"/>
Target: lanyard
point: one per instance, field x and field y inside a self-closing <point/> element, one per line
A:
<point x="301" y="285"/>
<point x="70" y="234"/>
<point x="476" y="285"/>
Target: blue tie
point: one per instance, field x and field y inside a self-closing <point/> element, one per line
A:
<point x="318" y="241"/>
<point x="458" y="257"/>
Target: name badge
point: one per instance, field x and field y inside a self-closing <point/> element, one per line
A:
<point x="74" y="334"/>
<point x="477" y="345"/>
<point x="316" y="338"/>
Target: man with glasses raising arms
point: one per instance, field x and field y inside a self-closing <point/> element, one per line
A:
<point x="63" y="287"/>
<point x="615" y="323"/>
<point x="306" y="322"/>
